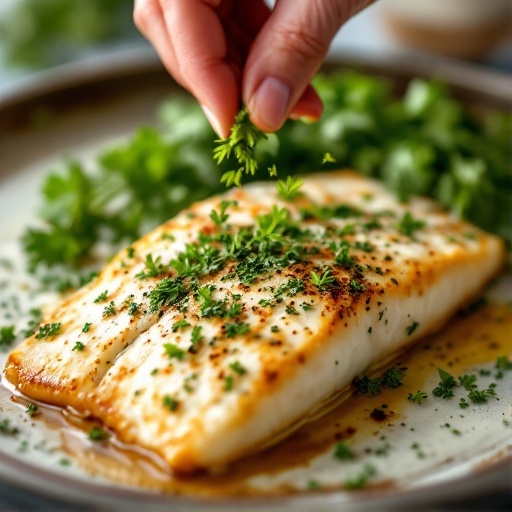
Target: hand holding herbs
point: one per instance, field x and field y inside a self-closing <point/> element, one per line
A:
<point x="424" y="143"/>
<point x="227" y="51"/>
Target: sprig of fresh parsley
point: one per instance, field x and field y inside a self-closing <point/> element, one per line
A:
<point x="241" y="143"/>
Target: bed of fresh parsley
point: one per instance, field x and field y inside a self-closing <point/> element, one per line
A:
<point x="425" y="142"/>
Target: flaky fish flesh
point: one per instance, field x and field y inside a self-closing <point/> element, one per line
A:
<point x="225" y="328"/>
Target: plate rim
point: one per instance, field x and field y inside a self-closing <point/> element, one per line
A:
<point x="492" y="84"/>
<point x="126" y="64"/>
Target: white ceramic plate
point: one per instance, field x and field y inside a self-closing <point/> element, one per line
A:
<point x="421" y="453"/>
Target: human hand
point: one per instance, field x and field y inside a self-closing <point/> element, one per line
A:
<point x="225" y="51"/>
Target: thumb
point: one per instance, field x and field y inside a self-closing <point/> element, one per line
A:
<point x="286" y="54"/>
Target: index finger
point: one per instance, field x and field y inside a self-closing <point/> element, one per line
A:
<point x="200" y="47"/>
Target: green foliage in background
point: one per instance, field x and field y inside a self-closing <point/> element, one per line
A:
<point x="43" y="32"/>
<point x="423" y="143"/>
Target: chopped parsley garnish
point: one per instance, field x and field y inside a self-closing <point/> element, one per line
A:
<point x="502" y="363"/>
<point x="328" y="159"/>
<point x="101" y="297"/>
<point x="6" y="429"/>
<point x="445" y="387"/>
<point x="36" y="315"/>
<point x="356" y="287"/>
<point x="229" y="383"/>
<point x="173" y="351"/>
<point x="211" y="307"/>
<point x="109" y="310"/>
<point x="289" y="189"/>
<point x="234" y="310"/>
<point x="480" y="396"/>
<point x="290" y="288"/>
<point x="313" y="485"/>
<point x="133" y="308"/>
<point x="274" y="328"/>
<point x="364" y="246"/>
<point x="180" y="325"/>
<point x="7" y="335"/>
<point x="168" y="291"/>
<point x="236" y="329"/>
<point x="290" y="310"/>
<point x="187" y="385"/>
<point x="196" y="337"/>
<point x="324" y="281"/>
<point x="86" y="327"/>
<point x="271" y="224"/>
<point x="48" y="330"/>
<point x="238" y="368"/>
<point x="419" y="397"/>
<point x="409" y="330"/>
<point x="408" y="225"/>
<point x="343" y="452"/>
<point x="468" y="382"/>
<point x="32" y="409"/>
<point x="170" y="403"/>
<point x="342" y="257"/>
<point x="220" y="217"/>
<point x="154" y="268"/>
<point x="361" y="479"/>
<point x="98" y="434"/>
<point x="392" y="378"/>
<point x="420" y="454"/>
<point x="79" y="346"/>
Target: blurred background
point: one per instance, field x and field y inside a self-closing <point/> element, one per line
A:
<point x="39" y="34"/>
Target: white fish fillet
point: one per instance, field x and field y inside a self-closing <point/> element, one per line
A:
<point x="204" y="404"/>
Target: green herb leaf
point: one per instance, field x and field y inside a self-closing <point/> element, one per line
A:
<point x="236" y="329"/>
<point x="173" y="351"/>
<point x="32" y="409"/>
<point x="419" y="397"/>
<point x="241" y="143"/>
<point x="182" y="324"/>
<point x="7" y="336"/>
<point x="168" y="291"/>
<point x="171" y="403"/>
<point x="79" y="347"/>
<point x="445" y="387"/>
<point x="408" y="225"/>
<point x="361" y="479"/>
<point x="154" y="268"/>
<point x="238" y="368"/>
<point x="48" y="330"/>
<point x="98" y="434"/>
<point x="289" y="189"/>
<point x="324" y="281"/>
<point x="343" y="452"/>
<point x="196" y="337"/>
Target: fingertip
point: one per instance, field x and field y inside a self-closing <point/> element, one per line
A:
<point x="218" y="93"/>
<point x="309" y="106"/>
<point x="214" y="122"/>
<point x="269" y="105"/>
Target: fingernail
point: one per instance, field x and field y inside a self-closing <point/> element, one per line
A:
<point x="303" y="119"/>
<point x="269" y="103"/>
<point x="214" y="122"/>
